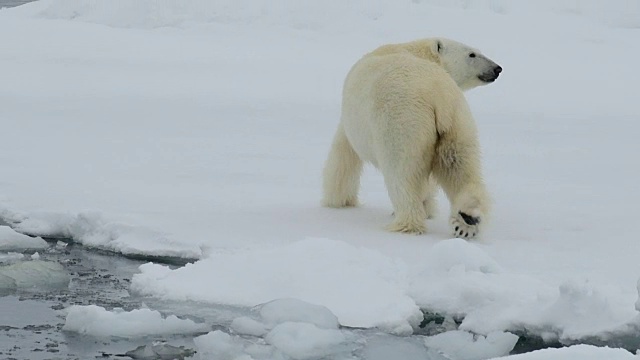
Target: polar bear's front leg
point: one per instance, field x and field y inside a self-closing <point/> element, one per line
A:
<point x="341" y="176"/>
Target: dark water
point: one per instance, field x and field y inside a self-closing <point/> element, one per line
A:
<point x="31" y="325"/>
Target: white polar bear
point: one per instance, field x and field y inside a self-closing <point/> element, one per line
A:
<point x="404" y="111"/>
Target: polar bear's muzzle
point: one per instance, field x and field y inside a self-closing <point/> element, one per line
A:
<point x="491" y="75"/>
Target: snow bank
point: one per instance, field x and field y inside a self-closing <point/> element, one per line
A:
<point x="10" y="240"/>
<point x="33" y="275"/>
<point x="460" y="278"/>
<point x="362" y="287"/>
<point x="367" y="289"/>
<point x="577" y="352"/>
<point x="97" y="321"/>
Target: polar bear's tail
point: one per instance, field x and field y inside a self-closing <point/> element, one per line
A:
<point x="341" y="177"/>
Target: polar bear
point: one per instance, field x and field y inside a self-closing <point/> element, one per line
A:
<point x="404" y="111"/>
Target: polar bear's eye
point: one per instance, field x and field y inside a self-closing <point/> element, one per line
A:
<point x="472" y="55"/>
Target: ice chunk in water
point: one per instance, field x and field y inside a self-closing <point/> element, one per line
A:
<point x="462" y="345"/>
<point x="160" y="350"/>
<point x="7" y="285"/>
<point x="97" y="321"/>
<point x="247" y="326"/>
<point x="285" y="310"/>
<point x="218" y="345"/>
<point x="10" y="257"/>
<point x="306" y="341"/>
<point x="12" y="240"/>
<point x="35" y="274"/>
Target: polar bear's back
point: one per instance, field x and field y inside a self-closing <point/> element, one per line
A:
<point x="395" y="94"/>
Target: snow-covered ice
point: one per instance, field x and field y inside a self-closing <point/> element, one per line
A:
<point x="198" y="129"/>
<point x="97" y="321"/>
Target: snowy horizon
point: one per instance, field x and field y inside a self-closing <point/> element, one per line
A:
<point x="199" y="129"/>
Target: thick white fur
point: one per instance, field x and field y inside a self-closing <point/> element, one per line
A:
<point x="404" y="111"/>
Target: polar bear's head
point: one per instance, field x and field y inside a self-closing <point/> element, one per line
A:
<point x="466" y="65"/>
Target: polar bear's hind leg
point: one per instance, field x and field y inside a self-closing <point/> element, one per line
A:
<point x="406" y="194"/>
<point x="341" y="177"/>
<point x="457" y="167"/>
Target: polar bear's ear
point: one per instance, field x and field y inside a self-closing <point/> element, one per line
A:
<point x="438" y="46"/>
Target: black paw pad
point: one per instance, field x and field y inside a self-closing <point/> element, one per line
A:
<point x="470" y="220"/>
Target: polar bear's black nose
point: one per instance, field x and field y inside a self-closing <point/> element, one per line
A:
<point x="497" y="70"/>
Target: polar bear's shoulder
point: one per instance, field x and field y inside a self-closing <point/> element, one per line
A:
<point x="425" y="49"/>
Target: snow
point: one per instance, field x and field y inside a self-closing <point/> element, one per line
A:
<point x="577" y="352"/>
<point x="10" y="240"/>
<point x="97" y="321"/>
<point x="199" y="129"/>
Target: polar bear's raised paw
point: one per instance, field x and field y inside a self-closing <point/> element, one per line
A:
<point x="464" y="225"/>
